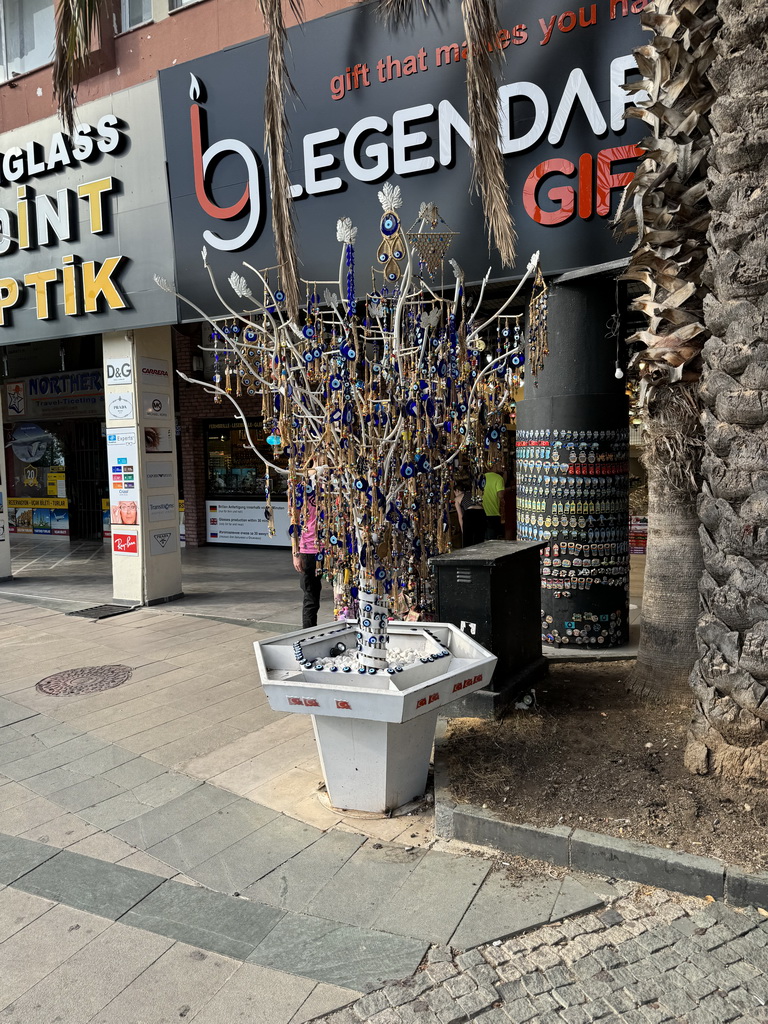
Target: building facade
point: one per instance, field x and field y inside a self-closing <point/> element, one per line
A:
<point x="103" y="440"/>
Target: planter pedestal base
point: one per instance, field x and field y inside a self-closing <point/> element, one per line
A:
<point x="374" y="766"/>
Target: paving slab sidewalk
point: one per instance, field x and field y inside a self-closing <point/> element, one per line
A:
<point x="196" y="822"/>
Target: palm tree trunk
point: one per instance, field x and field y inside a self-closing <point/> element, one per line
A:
<point x="729" y="732"/>
<point x="672" y="456"/>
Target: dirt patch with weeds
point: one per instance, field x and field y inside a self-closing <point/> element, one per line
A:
<point x="592" y="755"/>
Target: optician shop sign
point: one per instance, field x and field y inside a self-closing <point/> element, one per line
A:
<point x="378" y="105"/>
<point x="84" y="222"/>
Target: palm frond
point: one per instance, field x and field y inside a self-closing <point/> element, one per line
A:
<point x="397" y="12"/>
<point x="275" y="138"/>
<point x="481" y="24"/>
<point x="76" y="23"/>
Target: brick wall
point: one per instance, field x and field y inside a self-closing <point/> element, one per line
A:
<point x="195" y="408"/>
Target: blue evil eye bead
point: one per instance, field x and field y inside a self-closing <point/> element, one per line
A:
<point x="307" y="356"/>
<point x="335" y="383"/>
<point x="279" y="296"/>
<point x="505" y="332"/>
<point x="402" y="525"/>
<point x="336" y="416"/>
<point x="392" y="275"/>
<point x="348" y="351"/>
<point x="398" y="254"/>
<point x="367" y="623"/>
<point x="318" y="667"/>
<point x="389" y="225"/>
<point x="217" y="378"/>
<point x="371" y="671"/>
<point x="462" y="407"/>
<point x="383" y="257"/>
<point x="412" y="408"/>
<point x="226" y="330"/>
<point x="423" y="464"/>
<point x="273" y="440"/>
<point x="407" y="470"/>
<point x="317" y="352"/>
<point x="235" y="329"/>
<point x="334" y="668"/>
<point x="380" y="573"/>
<point x="346" y="669"/>
<point x="516" y="360"/>
<point x="333" y="539"/>
<point x="360" y="484"/>
<point x="308" y="331"/>
<point x="361" y="670"/>
<point x="347" y="415"/>
<point x="376" y="368"/>
<point x="493" y="434"/>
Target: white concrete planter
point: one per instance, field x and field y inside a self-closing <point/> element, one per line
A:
<point x="374" y="730"/>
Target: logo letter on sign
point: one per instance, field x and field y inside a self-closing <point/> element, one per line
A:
<point x="202" y="160"/>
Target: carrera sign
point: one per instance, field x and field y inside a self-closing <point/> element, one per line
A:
<point x="378" y="106"/>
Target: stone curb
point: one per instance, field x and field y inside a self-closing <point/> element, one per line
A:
<point x="596" y="853"/>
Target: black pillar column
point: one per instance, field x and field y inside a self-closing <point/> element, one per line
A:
<point x="572" y="472"/>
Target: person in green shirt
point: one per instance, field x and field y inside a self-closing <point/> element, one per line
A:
<point x="493" y="485"/>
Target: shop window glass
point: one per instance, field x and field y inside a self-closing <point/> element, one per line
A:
<point x="234" y="470"/>
<point x="136" y="12"/>
<point x="176" y="5"/>
<point x="28" y="35"/>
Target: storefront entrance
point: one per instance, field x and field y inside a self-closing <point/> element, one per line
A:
<point x="85" y="454"/>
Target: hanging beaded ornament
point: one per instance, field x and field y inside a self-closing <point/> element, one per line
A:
<point x="538" y="347"/>
<point x="391" y="251"/>
<point x="429" y="243"/>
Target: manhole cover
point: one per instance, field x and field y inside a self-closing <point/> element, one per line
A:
<point x="103" y="611"/>
<point x="93" y="679"/>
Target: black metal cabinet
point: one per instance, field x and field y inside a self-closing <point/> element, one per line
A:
<point x="492" y="592"/>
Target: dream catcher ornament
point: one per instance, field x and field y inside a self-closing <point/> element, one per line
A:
<point x="432" y="244"/>
<point x="391" y="251"/>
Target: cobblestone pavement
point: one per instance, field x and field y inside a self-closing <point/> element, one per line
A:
<point x="650" y="957"/>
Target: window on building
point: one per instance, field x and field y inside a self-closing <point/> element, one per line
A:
<point x="136" y="12"/>
<point x="27" y="35"/>
<point x="176" y="5"/>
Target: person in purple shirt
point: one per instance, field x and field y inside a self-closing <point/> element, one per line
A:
<point x="305" y="560"/>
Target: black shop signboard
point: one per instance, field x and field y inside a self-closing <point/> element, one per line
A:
<point x="376" y="105"/>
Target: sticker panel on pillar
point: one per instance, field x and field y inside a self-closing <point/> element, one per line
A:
<point x="119" y="405"/>
<point x="159" y="474"/>
<point x="123" y="456"/>
<point x="154" y="373"/>
<point x="125" y="542"/>
<point x="158" y="439"/>
<point x="161" y="507"/>
<point x="119" y="371"/>
<point x="156" y="406"/>
<point x="163" y="542"/>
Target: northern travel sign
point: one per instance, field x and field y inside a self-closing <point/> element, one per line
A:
<point x="376" y="105"/>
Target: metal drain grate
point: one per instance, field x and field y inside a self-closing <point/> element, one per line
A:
<point x="104" y="611"/>
<point x="92" y="679"/>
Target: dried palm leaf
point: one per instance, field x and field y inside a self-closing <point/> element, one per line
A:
<point x="77" y="22"/>
<point x="278" y="87"/>
<point x="481" y="24"/>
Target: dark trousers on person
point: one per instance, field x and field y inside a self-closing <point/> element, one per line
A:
<point x="474" y="527"/>
<point x="311" y="584"/>
<point x="493" y="528"/>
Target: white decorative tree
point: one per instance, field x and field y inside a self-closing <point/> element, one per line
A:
<point x="367" y="402"/>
